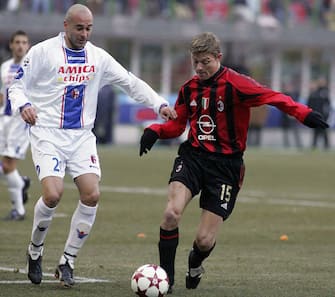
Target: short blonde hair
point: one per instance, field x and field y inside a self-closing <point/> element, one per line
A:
<point x="206" y="42"/>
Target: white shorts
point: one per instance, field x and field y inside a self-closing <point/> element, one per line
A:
<point x="59" y="151"/>
<point x="14" y="137"/>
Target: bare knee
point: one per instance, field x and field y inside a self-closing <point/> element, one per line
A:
<point x="52" y="190"/>
<point x="90" y="198"/>
<point x="52" y="198"/>
<point x="205" y="241"/>
<point x="8" y="164"/>
<point x="88" y="186"/>
<point x="171" y="218"/>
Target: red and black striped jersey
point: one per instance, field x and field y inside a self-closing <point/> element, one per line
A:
<point x="217" y="111"/>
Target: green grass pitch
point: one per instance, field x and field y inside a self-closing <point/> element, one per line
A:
<point x="284" y="192"/>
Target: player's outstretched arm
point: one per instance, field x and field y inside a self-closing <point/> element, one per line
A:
<point x="315" y="120"/>
<point x="148" y="139"/>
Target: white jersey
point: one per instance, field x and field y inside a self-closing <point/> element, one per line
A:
<point x="8" y="70"/>
<point x="14" y="140"/>
<point x="63" y="84"/>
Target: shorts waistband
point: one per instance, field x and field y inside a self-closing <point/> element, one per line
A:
<point x="188" y="148"/>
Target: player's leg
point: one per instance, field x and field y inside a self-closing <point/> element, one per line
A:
<point x="223" y="178"/>
<point x="52" y="190"/>
<point x="184" y="184"/>
<point x="202" y="247"/>
<point x="15" y="188"/>
<point x="14" y="144"/>
<point x="315" y="138"/>
<point x="325" y="139"/>
<point x="81" y="224"/>
<point x="50" y="169"/>
<point x="178" y="198"/>
<point x="84" y="167"/>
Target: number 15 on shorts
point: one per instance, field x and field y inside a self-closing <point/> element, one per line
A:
<point x="225" y="195"/>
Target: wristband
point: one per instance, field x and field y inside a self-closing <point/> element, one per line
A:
<point x="23" y="106"/>
<point x="162" y="106"/>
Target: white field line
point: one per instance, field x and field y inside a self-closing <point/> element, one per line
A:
<point x="302" y="199"/>
<point x="287" y="202"/>
<point x="24" y="271"/>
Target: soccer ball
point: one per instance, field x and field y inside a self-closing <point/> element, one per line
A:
<point x="150" y="280"/>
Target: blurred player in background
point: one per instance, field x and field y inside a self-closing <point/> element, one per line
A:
<point x="14" y="140"/>
<point x="56" y="92"/>
<point x="319" y="100"/>
<point x="216" y="104"/>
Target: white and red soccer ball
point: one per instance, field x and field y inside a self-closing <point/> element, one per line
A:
<point x="150" y="280"/>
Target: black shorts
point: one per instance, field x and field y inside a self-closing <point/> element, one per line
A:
<point x="218" y="177"/>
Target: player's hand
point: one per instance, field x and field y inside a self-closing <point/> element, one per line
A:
<point x="29" y="115"/>
<point x="148" y="139"/>
<point x="167" y="113"/>
<point x="315" y="120"/>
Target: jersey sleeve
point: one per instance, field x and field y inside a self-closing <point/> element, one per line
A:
<point x="29" y="69"/>
<point x="176" y="127"/>
<point x="133" y="86"/>
<point x="2" y="85"/>
<point x="2" y="90"/>
<point x="253" y="94"/>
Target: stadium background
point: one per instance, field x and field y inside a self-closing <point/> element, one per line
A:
<point x="278" y="42"/>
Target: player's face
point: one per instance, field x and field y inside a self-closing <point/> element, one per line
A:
<point x="19" y="47"/>
<point x="205" y="65"/>
<point x="78" y="30"/>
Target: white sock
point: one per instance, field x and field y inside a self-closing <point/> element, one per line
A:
<point x="15" y="186"/>
<point x="81" y="224"/>
<point x="42" y="219"/>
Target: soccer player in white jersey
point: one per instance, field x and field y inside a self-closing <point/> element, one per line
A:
<point x="14" y="140"/>
<point x="56" y="92"/>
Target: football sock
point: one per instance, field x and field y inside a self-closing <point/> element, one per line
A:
<point x="67" y="258"/>
<point x="42" y="219"/>
<point x="15" y="185"/>
<point x="196" y="256"/>
<point x="81" y="224"/>
<point x="167" y="245"/>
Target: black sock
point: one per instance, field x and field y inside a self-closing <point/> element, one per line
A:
<point x="168" y="242"/>
<point x="196" y="256"/>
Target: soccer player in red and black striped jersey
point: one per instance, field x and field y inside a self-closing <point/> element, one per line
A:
<point x="216" y="104"/>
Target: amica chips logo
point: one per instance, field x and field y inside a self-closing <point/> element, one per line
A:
<point x="75" y="73"/>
